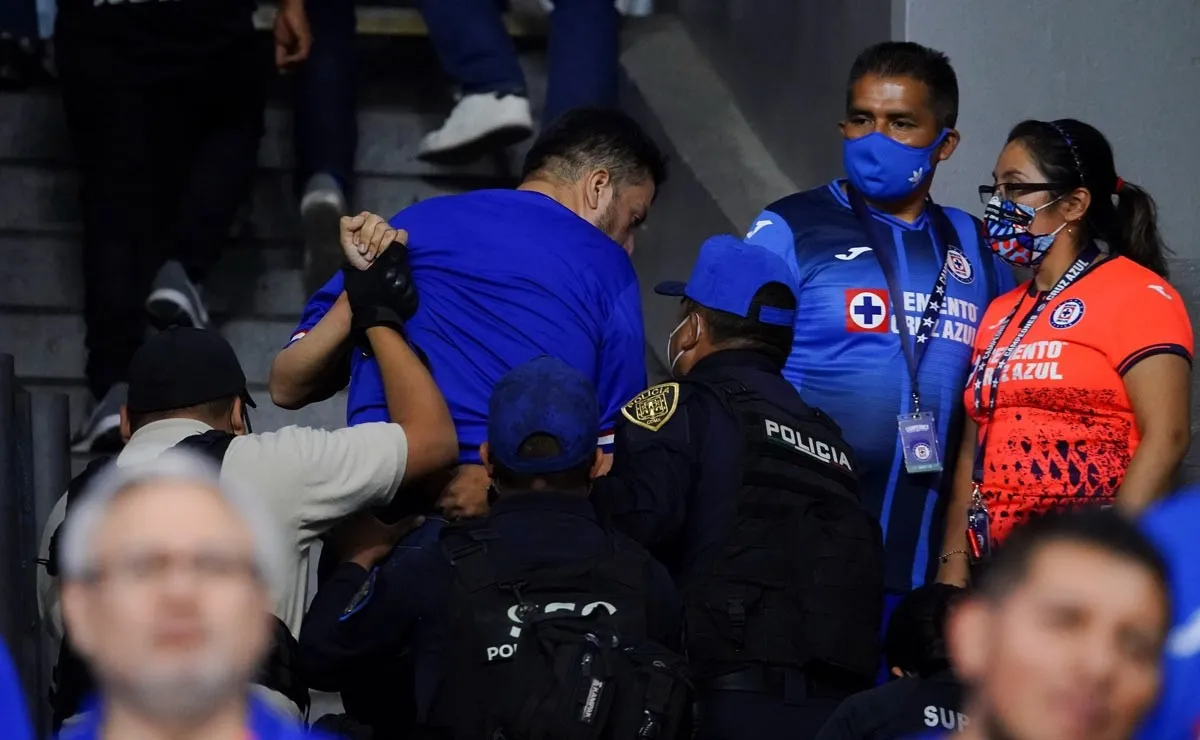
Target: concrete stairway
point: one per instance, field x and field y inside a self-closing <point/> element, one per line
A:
<point x="257" y="290"/>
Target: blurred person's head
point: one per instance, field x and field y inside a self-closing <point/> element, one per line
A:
<point x="543" y="426"/>
<point x="737" y="297"/>
<point x="915" y="642"/>
<point x="601" y="164"/>
<point x="901" y="110"/>
<point x="167" y="582"/>
<point x="186" y="373"/>
<point x="1063" y="635"/>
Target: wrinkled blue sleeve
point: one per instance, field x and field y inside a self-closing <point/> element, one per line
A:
<point x="622" y="371"/>
<point x="318" y="305"/>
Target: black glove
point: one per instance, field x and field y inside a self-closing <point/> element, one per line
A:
<point x="382" y="295"/>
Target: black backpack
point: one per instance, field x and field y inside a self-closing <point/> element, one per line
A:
<point x="558" y="653"/>
<point x="73" y="681"/>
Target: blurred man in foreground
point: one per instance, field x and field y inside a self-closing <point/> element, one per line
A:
<point x="1063" y="637"/>
<point x="168" y="577"/>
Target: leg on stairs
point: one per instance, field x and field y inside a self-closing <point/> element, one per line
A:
<point x="209" y="129"/>
<point x="109" y="117"/>
<point x="477" y="53"/>
<point x="583" y="56"/>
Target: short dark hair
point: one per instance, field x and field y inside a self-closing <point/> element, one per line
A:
<point x="214" y="409"/>
<point x="1103" y="529"/>
<point x="907" y="59"/>
<point x="733" y="331"/>
<point x="586" y="138"/>
<point x="916" y="634"/>
<point x="537" y="446"/>
<point x="1075" y="154"/>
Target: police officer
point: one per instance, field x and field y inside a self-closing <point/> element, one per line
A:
<point x="749" y="497"/>
<point x="541" y="454"/>
<point x="925" y="693"/>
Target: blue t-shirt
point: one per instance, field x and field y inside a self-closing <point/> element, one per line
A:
<point x="847" y="359"/>
<point x="1173" y="525"/>
<point x="505" y="276"/>
<point x="14" y="721"/>
<point x="263" y="723"/>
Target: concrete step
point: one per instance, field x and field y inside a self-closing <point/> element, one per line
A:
<point x="49" y="346"/>
<point x="329" y="414"/>
<point x="32" y="130"/>
<point x="43" y="271"/>
<point x="37" y="198"/>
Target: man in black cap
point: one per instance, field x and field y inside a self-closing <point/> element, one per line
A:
<point x="187" y="388"/>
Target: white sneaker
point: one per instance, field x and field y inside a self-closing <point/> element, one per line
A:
<point x="321" y="211"/>
<point x="479" y="124"/>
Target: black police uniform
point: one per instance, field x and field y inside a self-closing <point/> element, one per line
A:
<point x="402" y="605"/>
<point x="715" y="473"/>
<point x="900" y="708"/>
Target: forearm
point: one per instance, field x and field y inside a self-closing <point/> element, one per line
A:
<point x="1151" y="471"/>
<point x="306" y="370"/>
<point x="415" y="403"/>
<point x="955" y="548"/>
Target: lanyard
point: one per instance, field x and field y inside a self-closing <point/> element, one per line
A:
<point x="1080" y="267"/>
<point x="914" y="349"/>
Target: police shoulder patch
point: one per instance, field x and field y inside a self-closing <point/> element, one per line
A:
<point x="653" y="407"/>
<point x="361" y="597"/>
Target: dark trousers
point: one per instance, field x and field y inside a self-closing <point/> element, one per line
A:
<point x="19" y="18"/>
<point x="772" y="703"/>
<point x="477" y="53"/>
<point x="325" y="94"/>
<point x="165" y="161"/>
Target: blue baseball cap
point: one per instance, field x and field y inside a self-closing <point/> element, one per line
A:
<point x="543" y="396"/>
<point x="727" y="274"/>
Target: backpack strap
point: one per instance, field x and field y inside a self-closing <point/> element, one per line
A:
<point x="212" y="444"/>
<point x="75" y="489"/>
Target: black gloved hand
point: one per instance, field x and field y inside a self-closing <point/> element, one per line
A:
<point x="382" y="295"/>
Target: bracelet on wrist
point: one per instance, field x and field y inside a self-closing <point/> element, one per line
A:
<point x="945" y="557"/>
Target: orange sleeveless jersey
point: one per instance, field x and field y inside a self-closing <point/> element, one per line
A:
<point x="1063" y="430"/>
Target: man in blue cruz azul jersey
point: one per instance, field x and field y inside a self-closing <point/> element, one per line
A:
<point x="504" y="276"/>
<point x="891" y="288"/>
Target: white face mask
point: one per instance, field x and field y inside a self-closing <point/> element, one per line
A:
<point x="671" y="336"/>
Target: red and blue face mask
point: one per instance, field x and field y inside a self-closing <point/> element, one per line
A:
<point x="1007" y="223"/>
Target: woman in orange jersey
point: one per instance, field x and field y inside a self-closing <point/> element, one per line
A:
<point x="1081" y="385"/>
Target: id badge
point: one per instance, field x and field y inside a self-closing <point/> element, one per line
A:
<point x="918" y="438"/>
<point x="979" y="527"/>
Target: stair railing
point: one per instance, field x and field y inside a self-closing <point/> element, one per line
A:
<point x="35" y="468"/>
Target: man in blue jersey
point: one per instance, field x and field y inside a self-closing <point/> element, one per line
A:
<point x="891" y="288"/>
<point x="1173" y="525"/>
<point x="504" y="276"/>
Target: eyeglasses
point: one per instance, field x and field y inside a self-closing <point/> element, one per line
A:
<point x="1014" y="190"/>
<point x="146" y="569"/>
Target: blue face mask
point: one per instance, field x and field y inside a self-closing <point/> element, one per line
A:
<point x="883" y="169"/>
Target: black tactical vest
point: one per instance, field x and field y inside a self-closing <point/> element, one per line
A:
<point x="494" y="598"/>
<point x="73" y="680"/>
<point x="798" y="581"/>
